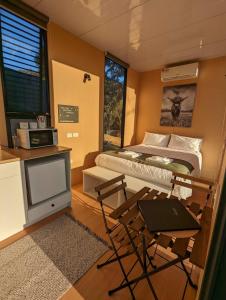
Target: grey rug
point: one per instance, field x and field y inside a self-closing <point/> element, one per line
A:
<point x="46" y="263"/>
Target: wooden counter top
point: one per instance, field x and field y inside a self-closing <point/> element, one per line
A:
<point x="6" y="157"/>
<point x="24" y="154"/>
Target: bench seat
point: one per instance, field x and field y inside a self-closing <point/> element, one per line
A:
<point x="97" y="175"/>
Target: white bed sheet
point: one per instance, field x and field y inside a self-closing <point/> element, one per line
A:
<point x="194" y="158"/>
<point x="150" y="173"/>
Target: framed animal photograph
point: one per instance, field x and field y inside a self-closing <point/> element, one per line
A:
<point x="177" y="105"/>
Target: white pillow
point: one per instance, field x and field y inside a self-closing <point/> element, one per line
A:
<point x="155" y="139"/>
<point x="185" y="143"/>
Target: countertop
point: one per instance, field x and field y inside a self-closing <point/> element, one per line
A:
<point x="6" y="157"/>
<point x="24" y="154"/>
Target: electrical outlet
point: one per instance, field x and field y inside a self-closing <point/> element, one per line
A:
<point x="69" y="135"/>
<point x="75" y="134"/>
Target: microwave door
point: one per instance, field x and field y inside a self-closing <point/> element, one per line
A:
<point x="41" y="138"/>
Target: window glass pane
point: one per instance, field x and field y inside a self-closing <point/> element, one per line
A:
<point x="23" y="46"/>
<point x="114" y="104"/>
<point x="10" y="16"/>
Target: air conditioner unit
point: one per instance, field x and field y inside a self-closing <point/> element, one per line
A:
<point x="181" y="72"/>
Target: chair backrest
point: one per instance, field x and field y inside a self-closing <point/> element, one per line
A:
<point x="115" y="187"/>
<point x="136" y="229"/>
<point x="199" y="184"/>
<point x="108" y="189"/>
<point x="180" y="245"/>
<point x="128" y="214"/>
<point x="118" y="212"/>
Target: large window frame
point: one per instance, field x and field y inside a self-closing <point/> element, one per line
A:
<point x="21" y="80"/>
<point x="123" y="67"/>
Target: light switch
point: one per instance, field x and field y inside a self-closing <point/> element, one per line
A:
<point x="69" y="134"/>
<point x="75" y="134"/>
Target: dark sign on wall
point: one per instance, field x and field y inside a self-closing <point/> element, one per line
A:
<point x="68" y="114"/>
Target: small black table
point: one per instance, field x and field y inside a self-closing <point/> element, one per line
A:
<point x="169" y="216"/>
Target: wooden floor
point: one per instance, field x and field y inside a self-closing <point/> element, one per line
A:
<point x="94" y="285"/>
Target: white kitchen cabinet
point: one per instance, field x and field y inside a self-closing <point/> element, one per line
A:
<point x="12" y="212"/>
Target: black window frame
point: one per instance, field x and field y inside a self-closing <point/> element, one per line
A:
<point x="125" y="67"/>
<point x="44" y="101"/>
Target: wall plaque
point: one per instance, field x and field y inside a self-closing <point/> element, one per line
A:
<point x="68" y="114"/>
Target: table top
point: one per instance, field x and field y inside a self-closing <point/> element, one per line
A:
<point x="24" y="154"/>
<point x="169" y="217"/>
<point x="6" y="157"/>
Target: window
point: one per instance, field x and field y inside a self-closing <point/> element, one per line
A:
<point x="24" y="66"/>
<point x="114" y="104"/>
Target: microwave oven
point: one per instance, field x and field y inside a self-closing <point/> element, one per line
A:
<point x="36" y="138"/>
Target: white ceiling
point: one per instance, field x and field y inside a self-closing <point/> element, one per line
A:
<point x="147" y="34"/>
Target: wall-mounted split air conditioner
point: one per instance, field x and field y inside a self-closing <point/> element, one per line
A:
<point x="181" y="72"/>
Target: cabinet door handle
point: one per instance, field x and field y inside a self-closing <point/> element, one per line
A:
<point x="52" y="204"/>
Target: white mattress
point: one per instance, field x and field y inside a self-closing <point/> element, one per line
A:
<point x="150" y="173"/>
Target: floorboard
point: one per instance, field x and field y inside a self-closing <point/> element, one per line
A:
<point x="94" y="285"/>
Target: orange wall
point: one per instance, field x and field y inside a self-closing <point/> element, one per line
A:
<point x="208" y="115"/>
<point x="132" y="92"/>
<point x="68" y="88"/>
<point x="69" y="59"/>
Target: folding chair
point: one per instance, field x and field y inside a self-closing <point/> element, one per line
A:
<point x="182" y="247"/>
<point x="179" y="246"/>
<point x="117" y="235"/>
<point x="199" y="184"/>
<point x="141" y="240"/>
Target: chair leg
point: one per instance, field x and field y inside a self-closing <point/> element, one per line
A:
<point x="186" y="284"/>
<point x="123" y="271"/>
<point x="144" y="263"/>
<point x="131" y="269"/>
<point x="145" y="275"/>
<point x="136" y="280"/>
<point x="192" y="284"/>
<point x="184" y="291"/>
<point x="106" y="261"/>
<point x="109" y="260"/>
<point x="150" y="258"/>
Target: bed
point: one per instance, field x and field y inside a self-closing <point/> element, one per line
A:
<point x="136" y="161"/>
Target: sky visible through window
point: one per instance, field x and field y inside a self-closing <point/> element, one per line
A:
<point x="20" y="44"/>
<point x="114" y="71"/>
